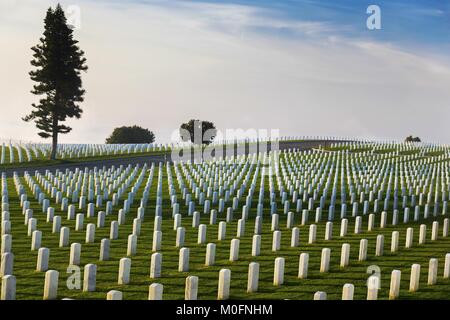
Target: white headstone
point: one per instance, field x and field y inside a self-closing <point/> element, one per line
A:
<point x="222" y="231"/>
<point x="36" y="240"/>
<point x="201" y="237"/>
<point x="132" y="244"/>
<point x="409" y="238"/>
<point x="363" y="250"/>
<point x="195" y="219"/>
<point x="234" y="250"/>
<point x="422" y="234"/>
<point x="223" y="292"/>
<point x="42" y="259"/>
<point x="121" y="217"/>
<point x="155" y="291"/>
<point x="79" y="222"/>
<point x="104" y="249"/>
<point x="435" y="231"/>
<point x="177" y="221"/>
<point x="303" y="265"/>
<point x="101" y="220"/>
<point x="114" y="230"/>
<point x="64" y="237"/>
<point x="124" y="271"/>
<point x="344" y="227"/>
<point x="394" y="241"/>
<point x="179" y="242"/>
<point x="155" y="265"/>
<point x="51" y="285"/>
<point x="157" y="240"/>
<point x="320" y="295"/>
<point x="383" y="220"/>
<point x="371" y="222"/>
<point x="312" y="233"/>
<point x="394" y="289"/>
<point x="75" y="254"/>
<point x="358" y="223"/>
<point x="276" y="240"/>
<point x="114" y="295"/>
<point x="445" y="228"/>
<point x="325" y="260"/>
<point x="372" y="287"/>
<point x="329" y="230"/>
<point x="240" y="228"/>
<point x="7" y="264"/>
<point x="90" y="233"/>
<point x="447" y="266"/>
<point x="191" y="288"/>
<point x="253" y="277"/>
<point x="348" y="291"/>
<point x="379" y="248"/>
<point x="278" y="275"/>
<point x="345" y="254"/>
<point x="90" y="277"/>
<point x="210" y="257"/>
<point x="8" y="288"/>
<point x="183" y="261"/>
<point x="295" y="237"/>
<point x="415" y="278"/>
<point x="432" y="271"/>
<point x="256" y="245"/>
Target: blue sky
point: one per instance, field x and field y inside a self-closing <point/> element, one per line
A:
<point x="303" y="67"/>
<point x="405" y="22"/>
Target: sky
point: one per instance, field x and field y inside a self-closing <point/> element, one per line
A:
<point x="300" y="66"/>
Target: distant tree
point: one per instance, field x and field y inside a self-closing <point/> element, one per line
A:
<point x="412" y="139"/>
<point x="59" y="62"/>
<point x="198" y="132"/>
<point x="134" y="134"/>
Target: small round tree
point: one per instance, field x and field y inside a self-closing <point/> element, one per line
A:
<point x="412" y="139"/>
<point x="198" y="132"/>
<point x="134" y="134"/>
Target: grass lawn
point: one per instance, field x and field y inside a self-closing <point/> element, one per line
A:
<point x="30" y="284"/>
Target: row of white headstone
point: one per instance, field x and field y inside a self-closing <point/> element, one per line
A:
<point x="223" y="292"/>
<point x="125" y="263"/>
<point x="311" y="202"/>
<point x="28" y="152"/>
<point x="159" y="191"/>
<point x="373" y="284"/>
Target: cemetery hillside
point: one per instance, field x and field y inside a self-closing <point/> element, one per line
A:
<point x="224" y="158"/>
<point x="349" y="220"/>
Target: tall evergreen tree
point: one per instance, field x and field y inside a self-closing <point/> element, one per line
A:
<point x="59" y="62"/>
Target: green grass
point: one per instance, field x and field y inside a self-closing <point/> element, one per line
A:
<point x="434" y="153"/>
<point x="30" y="283"/>
<point x="349" y="148"/>
<point x="384" y="151"/>
<point x="409" y="152"/>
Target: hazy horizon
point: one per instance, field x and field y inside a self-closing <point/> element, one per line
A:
<point x="304" y="67"/>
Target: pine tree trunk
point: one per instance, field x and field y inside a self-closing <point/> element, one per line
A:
<point x="54" y="146"/>
<point x="54" y="139"/>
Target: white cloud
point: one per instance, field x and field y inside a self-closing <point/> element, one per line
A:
<point x="236" y="18"/>
<point x="429" y="12"/>
<point x="161" y="63"/>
